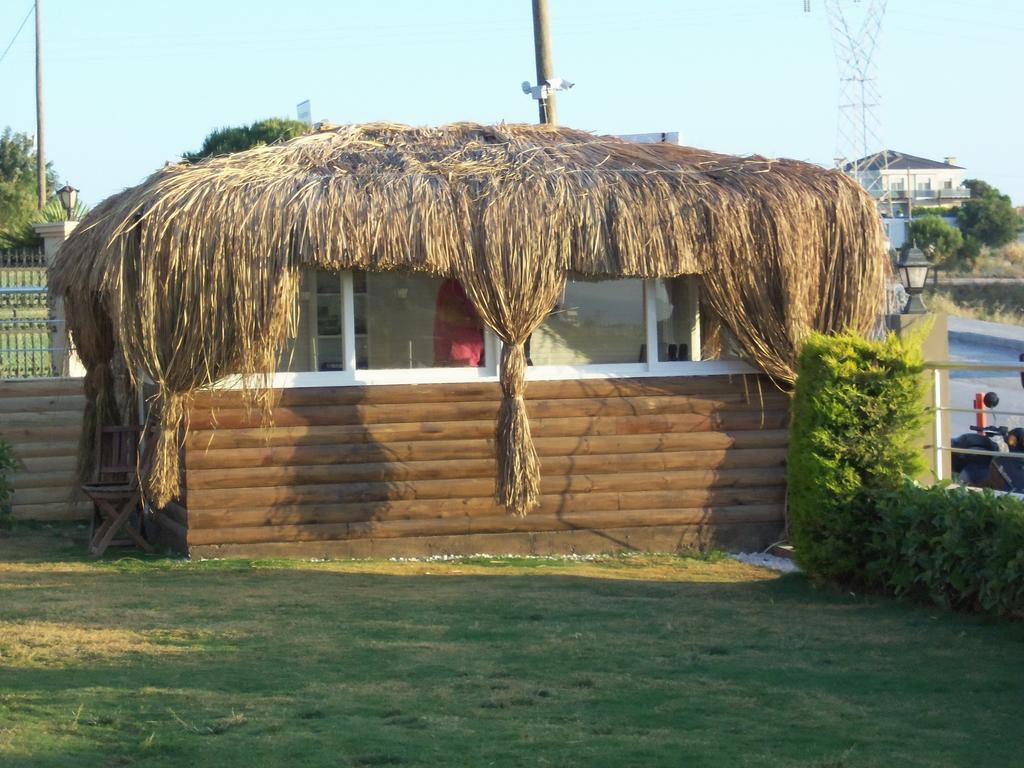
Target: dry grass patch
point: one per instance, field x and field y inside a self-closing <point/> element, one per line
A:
<point x="61" y="644"/>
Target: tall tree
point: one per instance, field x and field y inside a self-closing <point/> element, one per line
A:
<point x="988" y="217"/>
<point x="19" y="189"/>
<point x="935" y="236"/>
<point x="224" y="141"/>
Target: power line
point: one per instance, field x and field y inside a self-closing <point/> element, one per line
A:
<point x="13" y="39"/>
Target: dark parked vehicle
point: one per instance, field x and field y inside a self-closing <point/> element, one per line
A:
<point x="1000" y="472"/>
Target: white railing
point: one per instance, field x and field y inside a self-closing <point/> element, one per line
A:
<point x="943" y="443"/>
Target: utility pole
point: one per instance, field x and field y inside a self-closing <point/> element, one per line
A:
<point x="40" y="153"/>
<point x="545" y="70"/>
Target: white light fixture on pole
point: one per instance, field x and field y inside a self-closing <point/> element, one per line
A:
<point x="68" y="199"/>
<point x="914" y="267"/>
<point x="544" y="90"/>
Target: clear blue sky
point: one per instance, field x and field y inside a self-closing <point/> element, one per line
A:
<point x="130" y="85"/>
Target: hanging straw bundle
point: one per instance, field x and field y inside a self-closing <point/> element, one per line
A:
<point x="193" y="275"/>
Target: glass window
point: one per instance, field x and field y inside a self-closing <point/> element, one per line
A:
<point x="394" y="321"/>
<point x="414" y="321"/>
<point x="594" y="322"/>
<point x="317" y="345"/>
<point x="678" y="319"/>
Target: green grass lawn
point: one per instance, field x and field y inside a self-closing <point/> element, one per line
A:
<point x="629" y="661"/>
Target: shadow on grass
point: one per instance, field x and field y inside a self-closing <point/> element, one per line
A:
<point x="317" y="667"/>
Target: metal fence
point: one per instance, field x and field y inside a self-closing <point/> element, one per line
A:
<point x="31" y="341"/>
<point x="942" y="442"/>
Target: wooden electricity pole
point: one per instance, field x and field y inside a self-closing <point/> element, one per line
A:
<point x="545" y="71"/>
<point x="40" y="153"/>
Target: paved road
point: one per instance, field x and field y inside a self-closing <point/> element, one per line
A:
<point x="944" y="281"/>
<point x="978" y="341"/>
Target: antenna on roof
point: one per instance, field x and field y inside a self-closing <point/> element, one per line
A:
<point x="859" y="128"/>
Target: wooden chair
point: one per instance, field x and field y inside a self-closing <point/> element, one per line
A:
<point x="115" y="488"/>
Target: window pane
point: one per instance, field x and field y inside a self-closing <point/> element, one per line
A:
<point x="594" y="322"/>
<point x="716" y="341"/>
<point x="317" y="345"/>
<point x="675" y="306"/>
<point x="328" y="315"/>
<point x="330" y="356"/>
<point x="328" y="282"/>
<point x="415" y="321"/>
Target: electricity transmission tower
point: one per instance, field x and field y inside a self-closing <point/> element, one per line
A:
<point x="859" y="145"/>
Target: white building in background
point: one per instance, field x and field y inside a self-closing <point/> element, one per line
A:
<point x="903" y="182"/>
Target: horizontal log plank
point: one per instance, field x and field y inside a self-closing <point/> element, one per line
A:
<point x="479" y="507"/>
<point x="637" y="425"/>
<point x="736" y="537"/>
<point x="57" y="387"/>
<point x="236" y="498"/>
<point x="345" y="512"/>
<point x="330" y="415"/>
<point x="58" y="449"/>
<point x="69" y="405"/>
<point x="41" y="421"/>
<point x="52" y="461"/>
<point x="45" y="495"/>
<point x="202" y="479"/>
<point x="476" y="448"/>
<point x="654" y="461"/>
<point x="359" y="434"/>
<point x="53" y="510"/>
<point x="431" y="430"/>
<point x="491" y="391"/>
<point x="66" y="478"/>
<point x="497" y="524"/>
<point x="22" y="435"/>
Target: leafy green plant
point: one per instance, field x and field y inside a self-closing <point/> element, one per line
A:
<point x="988" y="217"/>
<point x="54" y="211"/>
<point x="952" y="546"/>
<point x="224" y="141"/>
<point x="937" y="237"/>
<point x="857" y="409"/>
<point x="8" y="463"/>
<point x="19" y="189"/>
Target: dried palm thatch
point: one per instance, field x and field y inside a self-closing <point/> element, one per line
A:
<point x="193" y="274"/>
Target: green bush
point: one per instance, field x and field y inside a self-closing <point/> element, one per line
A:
<point x="857" y="410"/>
<point x="8" y="463"/>
<point x="934" y="235"/>
<point x="952" y="546"/>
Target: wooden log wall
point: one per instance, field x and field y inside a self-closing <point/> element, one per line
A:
<point x="41" y="419"/>
<point x="409" y="470"/>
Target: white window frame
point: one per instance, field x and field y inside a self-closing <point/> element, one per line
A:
<point x="652" y="367"/>
<point x="351" y="376"/>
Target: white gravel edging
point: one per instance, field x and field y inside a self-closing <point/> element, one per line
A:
<point x="772" y="562"/>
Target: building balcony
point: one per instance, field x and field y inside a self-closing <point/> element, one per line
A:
<point x="930" y="195"/>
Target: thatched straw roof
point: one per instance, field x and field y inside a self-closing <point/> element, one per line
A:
<point x="194" y="272"/>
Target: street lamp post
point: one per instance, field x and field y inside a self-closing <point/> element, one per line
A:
<point x="914" y="267"/>
<point x="68" y="199"/>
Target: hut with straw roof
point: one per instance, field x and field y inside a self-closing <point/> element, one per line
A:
<point x="379" y="340"/>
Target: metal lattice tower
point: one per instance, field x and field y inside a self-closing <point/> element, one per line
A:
<point x="855" y="33"/>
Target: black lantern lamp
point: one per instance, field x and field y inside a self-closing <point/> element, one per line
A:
<point x="913" y="267"/>
<point x="68" y="198"/>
